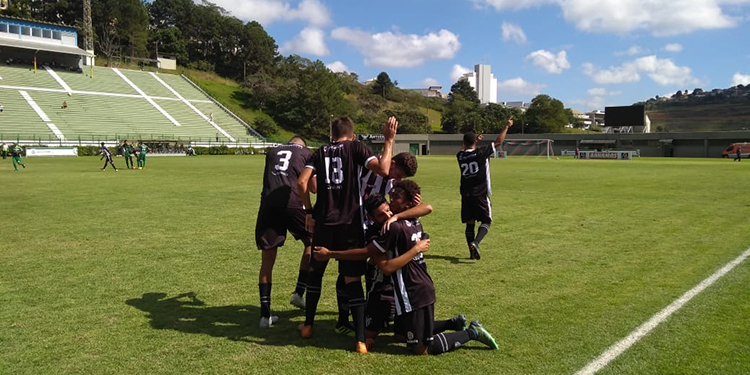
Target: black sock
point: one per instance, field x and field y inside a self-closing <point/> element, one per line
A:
<point x="440" y="326"/>
<point x="445" y="342"/>
<point x="483" y="229"/>
<point x="342" y="300"/>
<point x="301" y="283"/>
<point x="469" y="233"/>
<point x="357" y="305"/>
<point x="265" y="300"/>
<point x="314" y="282"/>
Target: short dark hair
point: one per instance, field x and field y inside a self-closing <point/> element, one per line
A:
<point x="410" y="188"/>
<point x="342" y="127"/>
<point x="407" y="162"/>
<point x="470" y="139"/>
<point x="102" y="144"/>
<point x="298" y="137"/>
<point x="373" y="202"/>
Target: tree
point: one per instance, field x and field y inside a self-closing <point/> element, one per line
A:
<point x="170" y="41"/>
<point x="258" y="49"/>
<point x="495" y="117"/>
<point x="410" y="120"/>
<point x="463" y="89"/>
<point x="545" y="115"/>
<point x="462" y="112"/>
<point x="382" y="85"/>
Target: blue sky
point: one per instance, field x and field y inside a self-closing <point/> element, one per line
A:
<point x="587" y="53"/>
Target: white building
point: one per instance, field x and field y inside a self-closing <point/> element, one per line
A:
<point x="484" y="82"/>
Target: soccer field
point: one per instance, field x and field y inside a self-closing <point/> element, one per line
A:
<point x="155" y="271"/>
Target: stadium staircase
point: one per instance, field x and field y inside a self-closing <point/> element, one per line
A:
<point x="112" y="105"/>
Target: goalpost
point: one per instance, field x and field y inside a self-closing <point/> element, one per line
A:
<point x="526" y="147"/>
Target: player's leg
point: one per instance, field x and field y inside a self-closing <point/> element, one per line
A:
<point x="268" y="259"/>
<point x="356" y="303"/>
<point x="296" y="218"/>
<point x="418" y="326"/>
<point x="456" y="323"/>
<point x="15" y="165"/>
<point x="322" y="237"/>
<point x="112" y="163"/>
<point x="105" y="164"/>
<point x="468" y="218"/>
<point x="270" y="233"/>
<point x="342" y="301"/>
<point x="482" y="212"/>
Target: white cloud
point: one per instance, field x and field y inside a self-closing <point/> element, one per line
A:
<point x="337" y="67"/>
<point x="673" y="47"/>
<point x="267" y="12"/>
<point x="429" y="81"/>
<point x="661" y="71"/>
<point x="740" y="79"/>
<point x="514" y="33"/>
<point x="592" y="103"/>
<point x="310" y="41"/>
<point x="520" y="87"/>
<point x="458" y="71"/>
<point x="597" y="91"/>
<point x="632" y="51"/>
<point x="658" y="17"/>
<point x="551" y="62"/>
<point x="398" y="50"/>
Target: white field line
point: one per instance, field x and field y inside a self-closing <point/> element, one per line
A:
<point x="56" y="130"/>
<point x="196" y="110"/>
<point x="42" y="115"/>
<point x="148" y="99"/>
<point x="59" y="80"/>
<point x="621" y="346"/>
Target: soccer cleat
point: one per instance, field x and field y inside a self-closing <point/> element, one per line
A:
<point x="361" y="347"/>
<point x="305" y="331"/>
<point x="297" y="301"/>
<point x="344" y="329"/>
<point x="268" y="322"/>
<point x="474" y="251"/>
<point x="482" y="335"/>
<point x="116" y="169"/>
<point x="370" y="343"/>
<point x="458" y="322"/>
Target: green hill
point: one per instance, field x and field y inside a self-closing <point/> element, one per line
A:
<point x="717" y="110"/>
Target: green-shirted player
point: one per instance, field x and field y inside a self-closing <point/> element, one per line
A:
<point x="16" y="152"/>
<point x="142" y="155"/>
<point x="127" y="151"/>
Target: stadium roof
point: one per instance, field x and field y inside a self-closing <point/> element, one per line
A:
<point x="25" y="44"/>
<point x="39" y="22"/>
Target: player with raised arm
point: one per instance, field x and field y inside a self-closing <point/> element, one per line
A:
<point x="476" y="186"/>
<point x="281" y="210"/>
<point x="15" y="152"/>
<point x="402" y="165"/>
<point x="398" y="253"/>
<point x="337" y="218"/>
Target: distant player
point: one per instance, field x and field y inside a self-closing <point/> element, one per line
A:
<point x="127" y="151"/>
<point x="402" y="165"/>
<point x="106" y="154"/>
<point x="338" y="218"/>
<point x="398" y="253"/>
<point x="142" y="150"/>
<point x="15" y="152"/>
<point x="476" y="186"/>
<point x="5" y="150"/>
<point x="281" y="210"/>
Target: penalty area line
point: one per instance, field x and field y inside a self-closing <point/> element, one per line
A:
<point x="621" y="346"/>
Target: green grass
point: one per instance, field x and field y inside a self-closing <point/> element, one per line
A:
<point x="580" y="253"/>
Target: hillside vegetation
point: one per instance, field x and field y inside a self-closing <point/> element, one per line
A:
<point x="716" y="110"/>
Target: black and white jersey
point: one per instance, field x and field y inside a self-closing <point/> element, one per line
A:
<point x="475" y="171"/>
<point x="374" y="183"/>
<point x="106" y="153"/>
<point x="412" y="285"/>
<point x="338" y="167"/>
<point x="284" y="163"/>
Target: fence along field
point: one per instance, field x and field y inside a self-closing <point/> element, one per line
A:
<point x="154" y="271"/>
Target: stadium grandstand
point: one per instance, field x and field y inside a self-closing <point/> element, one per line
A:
<point x="109" y="104"/>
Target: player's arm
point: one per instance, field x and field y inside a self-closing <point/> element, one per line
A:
<point x="304" y="193"/>
<point x="415" y="212"/>
<point x="389" y="266"/>
<point x="501" y="137"/>
<point x="383" y="166"/>
<point x="321" y="253"/>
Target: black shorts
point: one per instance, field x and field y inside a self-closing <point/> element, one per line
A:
<point x="273" y="223"/>
<point x="380" y="310"/>
<point x="418" y="326"/>
<point x="340" y="237"/>
<point x="476" y="208"/>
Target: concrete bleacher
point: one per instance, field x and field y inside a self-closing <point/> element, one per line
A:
<point x="97" y="110"/>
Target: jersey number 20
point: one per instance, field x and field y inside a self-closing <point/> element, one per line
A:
<point x="469" y="168"/>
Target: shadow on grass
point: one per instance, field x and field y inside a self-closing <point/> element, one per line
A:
<point x="454" y="260"/>
<point x="186" y="313"/>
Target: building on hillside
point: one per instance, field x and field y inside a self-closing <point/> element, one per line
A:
<point x="484" y="82"/>
<point x="523" y="106"/>
<point x="25" y="42"/>
<point x="430" y="92"/>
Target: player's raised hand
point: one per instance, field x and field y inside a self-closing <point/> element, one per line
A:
<point x="480" y="137"/>
<point x="422" y="245"/>
<point x="510" y="122"/>
<point x="390" y="128"/>
<point x="321" y="253"/>
<point x="417" y="199"/>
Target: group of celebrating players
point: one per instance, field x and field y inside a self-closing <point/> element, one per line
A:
<point x="353" y="223"/>
<point x="127" y="152"/>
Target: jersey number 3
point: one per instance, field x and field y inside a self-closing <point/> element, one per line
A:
<point x="283" y="160"/>
<point x="469" y="168"/>
<point x="338" y="170"/>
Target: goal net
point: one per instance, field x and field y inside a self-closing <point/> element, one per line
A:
<point x="527" y="147"/>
